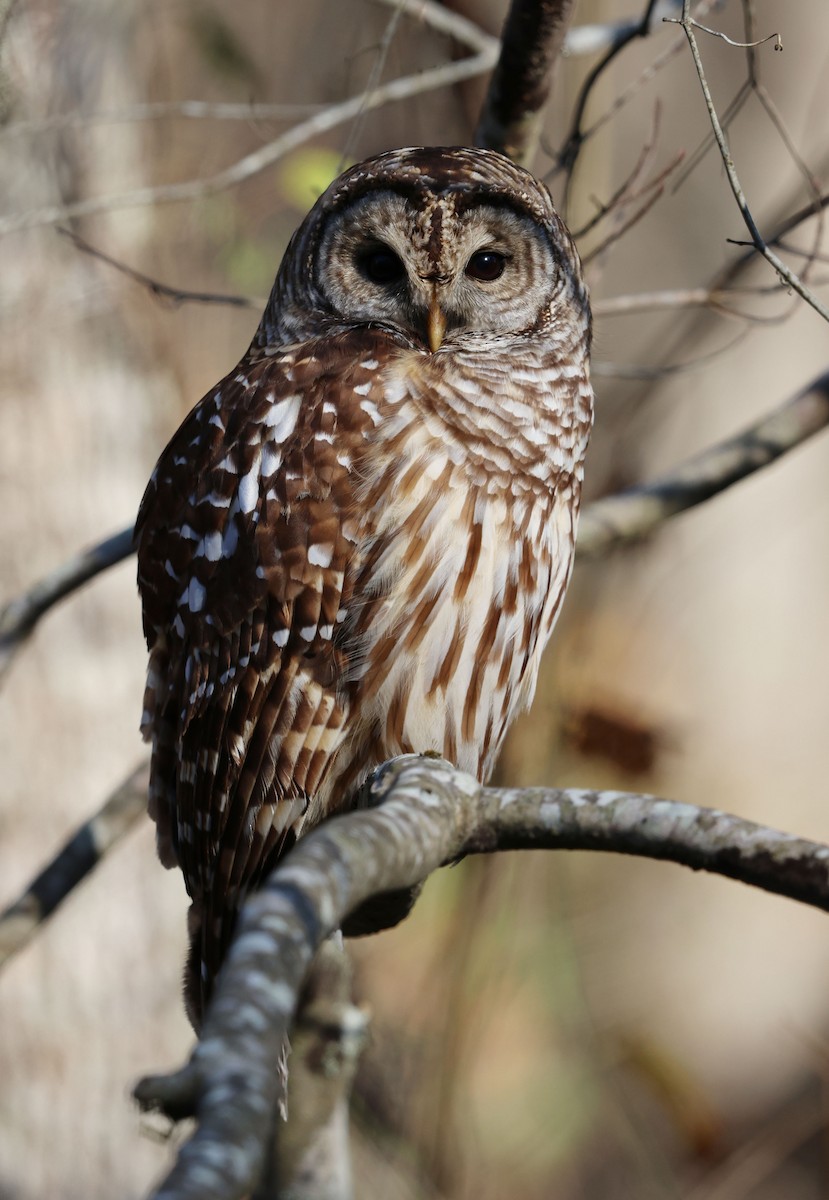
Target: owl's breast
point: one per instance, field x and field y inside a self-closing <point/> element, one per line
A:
<point x="514" y="424"/>
<point x="460" y="579"/>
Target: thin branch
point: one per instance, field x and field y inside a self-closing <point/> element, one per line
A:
<point x="566" y="158"/>
<point x="373" y="82"/>
<point x="627" y="189"/>
<point x="718" y="299"/>
<point x="259" y="160"/>
<point x="429" y="813"/>
<point x="19" y="617"/>
<point x="656" y="188"/>
<point x="310" y="1157"/>
<point x="775" y="37"/>
<point x="756" y="237"/>
<point x="452" y="24"/>
<point x="77" y="859"/>
<point x="162" y="291"/>
<point x="605" y="369"/>
<point x="633" y="513"/>
<point x="189" y="110"/>
<point x="531" y="44"/>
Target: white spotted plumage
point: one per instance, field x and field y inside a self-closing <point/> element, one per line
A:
<point x="358" y="543"/>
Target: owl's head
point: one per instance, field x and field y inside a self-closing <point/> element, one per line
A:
<point x="444" y="247"/>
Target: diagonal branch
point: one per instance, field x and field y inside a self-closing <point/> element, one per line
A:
<point x="429" y="813"/>
<point x="259" y="160"/>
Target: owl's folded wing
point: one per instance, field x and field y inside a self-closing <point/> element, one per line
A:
<point x="248" y="538"/>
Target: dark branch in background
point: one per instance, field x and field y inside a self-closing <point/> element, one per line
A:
<point x="161" y="291"/>
<point x="531" y="44"/>
<point x="429" y="813"/>
<point x="604" y="523"/>
<point x="78" y="858"/>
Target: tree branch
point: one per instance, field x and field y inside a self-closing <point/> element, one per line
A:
<point x="310" y="1157"/>
<point x="429" y="813"/>
<point x="161" y="291"/>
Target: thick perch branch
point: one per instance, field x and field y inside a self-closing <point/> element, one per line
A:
<point x="430" y="814"/>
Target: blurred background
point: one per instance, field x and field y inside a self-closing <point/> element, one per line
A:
<point x="583" y="1027"/>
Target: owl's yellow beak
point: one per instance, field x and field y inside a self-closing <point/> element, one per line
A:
<point x="435" y="323"/>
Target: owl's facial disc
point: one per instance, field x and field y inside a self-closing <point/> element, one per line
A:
<point x="444" y="274"/>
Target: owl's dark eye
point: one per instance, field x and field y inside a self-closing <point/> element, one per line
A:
<point x="486" y="265"/>
<point x="381" y="265"/>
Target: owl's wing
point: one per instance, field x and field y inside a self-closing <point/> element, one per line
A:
<point x="247" y="548"/>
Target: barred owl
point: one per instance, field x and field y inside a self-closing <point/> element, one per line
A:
<point x="358" y="542"/>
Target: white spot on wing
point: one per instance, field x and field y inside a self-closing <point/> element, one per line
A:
<point x="196" y="595"/>
<point x="230" y="540"/>
<point x="271" y="460"/>
<point x="281" y="418"/>
<point x="249" y="491"/>
<point x="369" y="407"/>
<point x="212" y="543"/>
<point x="320" y="556"/>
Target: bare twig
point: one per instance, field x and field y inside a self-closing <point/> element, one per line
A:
<point x="607" y="369"/>
<point x="73" y="863"/>
<point x="429" y="813"/>
<point x="162" y="291"/>
<point x="444" y="20"/>
<point x="719" y="299"/>
<point x="656" y="188"/>
<point x="566" y="158"/>
<point x="775" y="37"/>
<point x="532" y="40"/>
<point x="373" y="82"/>
<point x="759" y="243"/>
<point x="637" y="511"/>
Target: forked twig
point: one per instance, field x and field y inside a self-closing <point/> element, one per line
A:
<point x="757" y="239"/>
